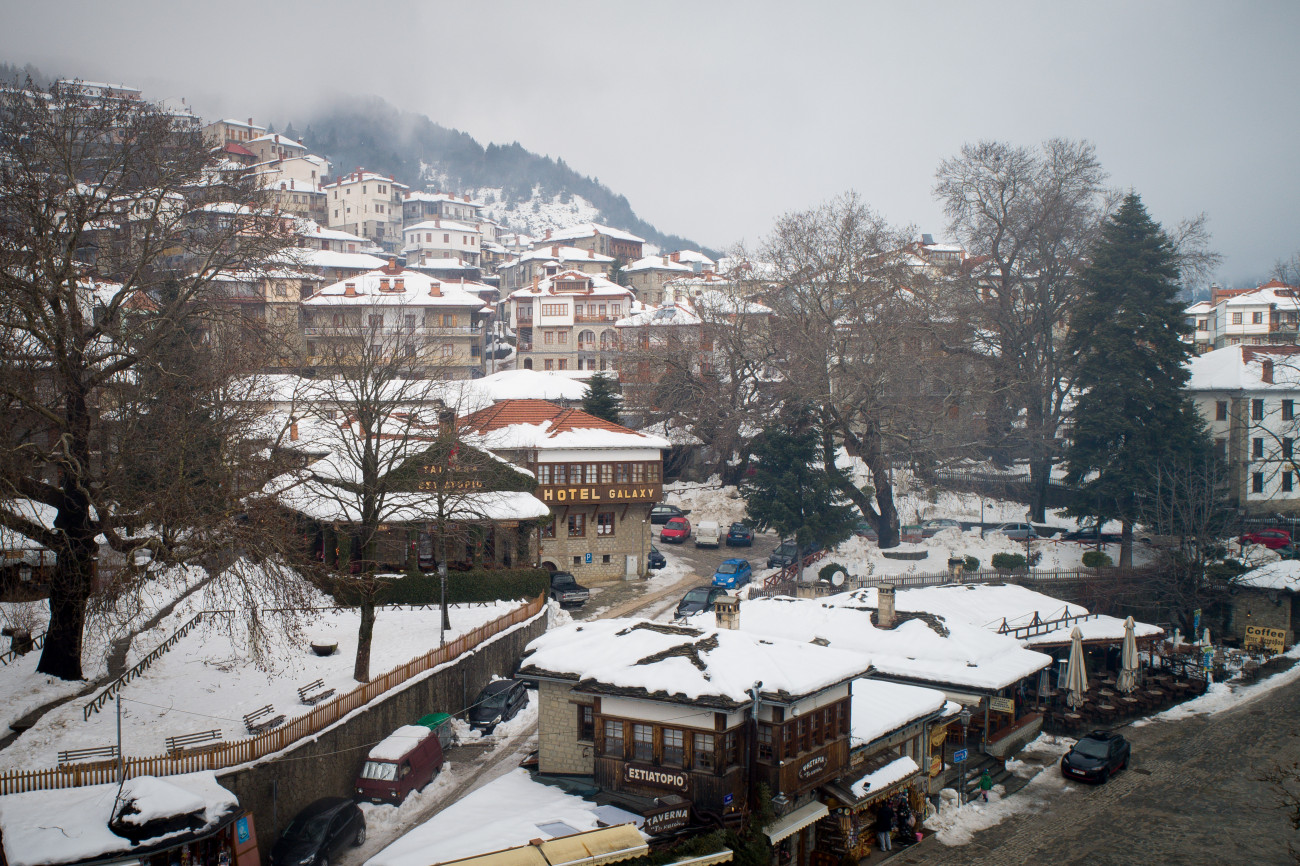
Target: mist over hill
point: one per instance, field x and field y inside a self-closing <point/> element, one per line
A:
<point x="522" y="190"/>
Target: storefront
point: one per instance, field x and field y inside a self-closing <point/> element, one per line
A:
<point x="854" y="808"/>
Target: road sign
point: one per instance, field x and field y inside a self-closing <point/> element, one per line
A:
<point x="959" y="756"/>
<point x="726" y="800"/>
<point x="588" y="560"/>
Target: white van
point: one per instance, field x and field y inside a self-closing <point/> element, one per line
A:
<point x="707" y="534"/>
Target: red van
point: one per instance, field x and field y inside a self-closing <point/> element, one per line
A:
<point x="405" y="761"/>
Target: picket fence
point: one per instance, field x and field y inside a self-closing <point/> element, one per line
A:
<point x="253" y="748"/>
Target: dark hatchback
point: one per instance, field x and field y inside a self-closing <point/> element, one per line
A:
<point x="654" y="559"/>
<point x="1095" y="757"/>
<point x="662" y="513"/>
<point x="699" y="599"/>
<point x="319" y="832"/>
<point x="500" y="701"/>
<point x="740" y="535"/>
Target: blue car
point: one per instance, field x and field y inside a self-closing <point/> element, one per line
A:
<point x="732" y="574"/>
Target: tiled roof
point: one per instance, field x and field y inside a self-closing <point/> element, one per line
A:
<point x="509" y="412"/>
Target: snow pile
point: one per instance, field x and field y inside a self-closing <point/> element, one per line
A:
<point x="707" y="500"/>
<point x="399" y="742"/>
<point x="895" y="771"/>
<point x="148" y="798"/>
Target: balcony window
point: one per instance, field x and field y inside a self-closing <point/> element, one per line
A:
<point x="702" y="752"/>
<point x="643" y="747"/>
<point x="613" y="738"/>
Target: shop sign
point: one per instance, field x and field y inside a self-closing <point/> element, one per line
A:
<point x="642" y="774"/>
<point x="667" y="819"/>
<point x="812" y="767"/>
<point x="650" y="493"/>
<point x="1272" y="639"/>
<point x="241" y="829"/>
<point x="1002" y="705"/>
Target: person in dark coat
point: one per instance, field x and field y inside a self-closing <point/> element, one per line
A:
<point x="884" y="826"/>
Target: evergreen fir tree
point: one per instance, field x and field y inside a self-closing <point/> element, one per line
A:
<point x="603" y="398"/>
<point x="1132" y="414"/>
<point x="790" y="491"/>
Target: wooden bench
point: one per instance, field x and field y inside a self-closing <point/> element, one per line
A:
<point x="306" y="696"/>
<point x="201" y="741"/>
<point x="263" y="720"/>
<point x="97" y="755"/>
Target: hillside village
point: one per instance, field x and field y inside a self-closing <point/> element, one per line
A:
<point x="353" y="527"/>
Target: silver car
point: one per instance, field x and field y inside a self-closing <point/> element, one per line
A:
<point x="1014" y="531"/>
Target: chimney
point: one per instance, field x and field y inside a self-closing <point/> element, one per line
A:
<point x="250" y="121"/>
<point x="547" y="237"/>
<point x="435" y="289"/>
<point x="293" y="431"/>
<point x="349" y="290"/>
<point x="399" y="284"/>
<point x="591" y="254"/>
<point x="726" y="612"/>
<point x="466" y="196"/>
<point x="383" y="284"/>
<point x="392" y="265"/>
<point x="677" y="256"/>
<point x="1267" y="373"/>
<point x="886" y="616"/>
<point x="536" y="289"/>
<point x="555" y="251"/>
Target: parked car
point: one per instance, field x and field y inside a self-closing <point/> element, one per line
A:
<point x="664" y="512"/>
<point x="787" y="552"/>
<point x="1095" y="757"/>
<point x="654" y="559"/>
<point x="740" y="535"/>
<point x="500" y="701"/>
<point x="319" y="832"/>
<point x="732" y="574"/>
<point x="707" y="534"/>
<point x="912" y="532"/>
<point x="1270" y="538"/>
<point x="866" y="530"/>
<point x="1091" y="535"/>
<point x="934" y="526"/>
<point x="675" y="531"/>
<point x="405" y="761"/>
<point x="1013" y="531"/>
<point x="567" y="591"/>
<point x="699" y="599"/>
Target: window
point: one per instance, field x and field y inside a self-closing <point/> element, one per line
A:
<point x="1257" y="318"/>
<point x="643" y="746"/>
<point x="731" y="750"/>
<point x="575" y="473"/>
<point x="1202" y="324"/>
<point x="449" y="320"/>
<point x="1221" y="410"/>
<point x="562" y="337"/>
<point x="607" y="473"/>
<point x="548" y="337"/>
<point x="605" y="523"/>
<point x="591" y="473"/>
<point x="548" y="529"/>
<point x="1286" y="482"/>
<point x="409" y="321"/>
<point x="564" y="364"/>
<point x="448" y="351"/>
<point x="1287" y="445"/>
<point x="446" y="238"/>
<point x="766" y="745"/>
<point x="1288" y="410"/>
<point x="561" y="473"/>
<point x="548" y="364"/>
<point x="1257" y="449"/>
<point x="1257" y="482"/>
<point x="577" y="525"/>
<point x="552" y="309"/>
<point x="586" y="722"/>
<point x="544" y="473"/>
<point x="1257" y="410"/>
<point x="1221" y="448"/>
<point x="1236" y="318"/>
<point x="621" y="474"/>
<point x="674" y="753"/>
<point x="375" y="322"/>
<point x="702" y="752"/>
<point x="638" y="473"/>
<point x="613" y="738"/>
<point x="652" y="472"/>
<point x="801" y="734"/>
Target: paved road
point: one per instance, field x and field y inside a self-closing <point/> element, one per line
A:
<point x="1191" y="796"/>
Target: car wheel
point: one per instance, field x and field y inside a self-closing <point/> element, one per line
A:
<point x="1105" y="777"/>
<point x="323" y="861"/>
<point x="360" y="838"/>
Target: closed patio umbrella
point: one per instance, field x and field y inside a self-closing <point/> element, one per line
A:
<point x="1076" y="674"/>
<point x="1128" y="660"/>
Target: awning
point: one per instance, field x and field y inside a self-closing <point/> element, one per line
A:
<point x="795" y="821"/>
<point x="723" y="856"/>
<point x="592" y="849"/>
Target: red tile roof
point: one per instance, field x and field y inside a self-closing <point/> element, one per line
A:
<point x="238" y="149"/>
<point x="509" y="412"/>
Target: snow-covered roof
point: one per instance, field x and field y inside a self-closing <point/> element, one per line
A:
<point x="529" y="384"/>
<point x="442" y="225"/>
<point x="880" y="707"/>
<point x="586" y="230"/>
<point x="319" y="501"/>
<point x="309" y="228"/>
<point x="442" y="196"/>
<point x="366" y="176"/>
<point x="69" y="825"/>
<point x="1283" y="574"/>
<point x="895" y="771"/>
<point x="673" y="434"/>
<point x="718" y="303"/>
<point x="689" y="664"/>
<point x="330" y="259"/>
<point x="946" y="653"/>
<point x="399" y="742"/>
<point x="669" y="315"/>
<point x="657" y="263"/>
<point x="560" y="254"/>
<point x="1198" y="308"/>
<point x="1241" y="368"/>
<point x="543" y="426"/>
<point x="599" y="284"/>
<point x="417" y="290"/>
<point x="1283" y="297"/>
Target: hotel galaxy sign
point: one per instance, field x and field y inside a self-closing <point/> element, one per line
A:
<point x="570" y="494"/>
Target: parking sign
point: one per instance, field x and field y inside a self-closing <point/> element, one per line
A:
<point x="588" y="559"/>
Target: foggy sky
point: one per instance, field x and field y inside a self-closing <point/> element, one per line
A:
<point x="715" y="118"/>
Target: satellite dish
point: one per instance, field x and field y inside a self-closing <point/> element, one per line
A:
<point x="837" y="579"/>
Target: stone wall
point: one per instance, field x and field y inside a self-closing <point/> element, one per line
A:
<point x="632" y="537"/>
<point x="275" y="789"/>
<point x="559" y="750"/>
<point x="1261" y="608"/>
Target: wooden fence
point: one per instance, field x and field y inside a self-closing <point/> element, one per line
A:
<point x="789" y="586"/>
<point x="253" y="748"/>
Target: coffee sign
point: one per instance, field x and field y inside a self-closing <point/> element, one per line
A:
<point x="1271" y="639"/>
<point x="642" y="774"/>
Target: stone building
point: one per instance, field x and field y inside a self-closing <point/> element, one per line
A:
<point x="599" y="479"/>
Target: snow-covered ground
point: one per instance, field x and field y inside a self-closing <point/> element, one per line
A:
<point x="216" y="674"/>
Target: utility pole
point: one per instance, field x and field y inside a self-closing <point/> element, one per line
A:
<point x="121" y="765"/>
<point x="751" y="760"/>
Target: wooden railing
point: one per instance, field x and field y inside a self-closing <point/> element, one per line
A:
<point x="252" y="748"/>
<point x="784" y="582"/>
<point x="141" y="666"/>
<point x="10" y="655"/>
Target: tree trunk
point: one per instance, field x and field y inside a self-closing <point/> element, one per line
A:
<point x="1126" y="544"/>
<point x="1040" y="477"/>
<point x="365" y="636"/>
<point x="442" y="573"/>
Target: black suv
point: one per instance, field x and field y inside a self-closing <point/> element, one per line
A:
<point x="787" y="553"/>
<point x="320" y="832"/>
<point x="567" y="591"/>
<point x="1096" y="756"/>
<point x="699" y="599"/>
<point x="662" y="513"/>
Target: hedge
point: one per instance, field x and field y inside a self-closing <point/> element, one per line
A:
<point x="1008" y="561"/>
<point x="1097" y="559"/>
<point x="462" y="587"/>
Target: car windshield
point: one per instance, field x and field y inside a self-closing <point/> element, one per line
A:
<point x="384" y="771"/>
<point x="494" y="702"/>
<point x="738" y="527"/>
<point x="677" y="523"/>
<point x="1092" y="748"/>
<point x="562" y="580"/>
<point x="308" y="828"/>
<point x="697" y="595"/>
<point x="728" y="568"/>
<point x="787" y="548"/>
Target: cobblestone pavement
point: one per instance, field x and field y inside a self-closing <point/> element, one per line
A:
<point x="1192" y="795"/>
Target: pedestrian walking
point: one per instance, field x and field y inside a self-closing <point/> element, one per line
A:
<point x="884" y="826"/>
<point x="986" y="785"/>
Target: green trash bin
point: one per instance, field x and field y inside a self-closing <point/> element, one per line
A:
<point x="440" y="723"/>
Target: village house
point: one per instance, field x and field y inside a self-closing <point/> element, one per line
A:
<point x="418" y="207"/>
<point x="437" y="326"/>
<point x="700" y="713"/>
<point x="647" y="276"/>
<point x="566" y="321"/>
<point x="219" y="132"/>
<point x="1264" y="607"/>
<point x="439" y="238"/>
<point x="1247" y="397"/>
<point x="602" y="240"/>
<point x="1265" y="316"/>
<point x="367" y="204"/>
<point x="599" y="479"/>
<point x="518" y="272"/>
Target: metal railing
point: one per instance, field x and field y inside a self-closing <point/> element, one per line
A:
<point x="100" y="700"/>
